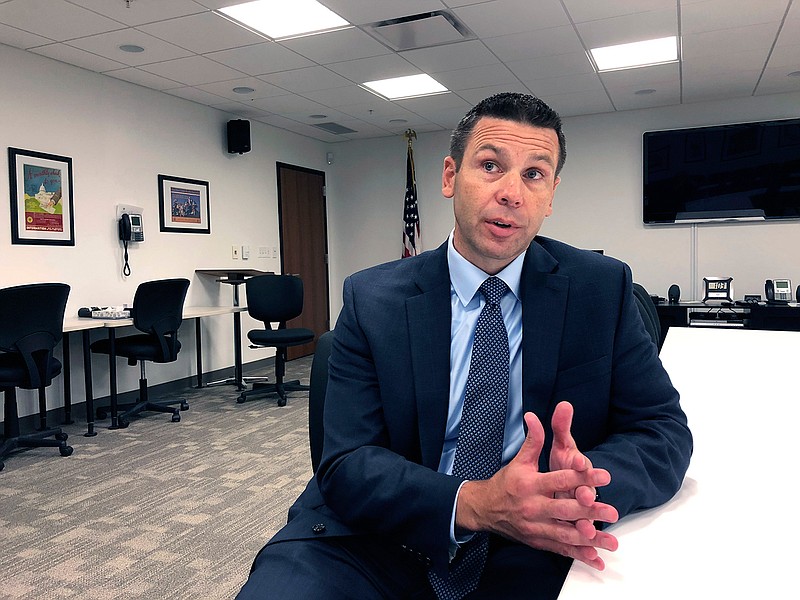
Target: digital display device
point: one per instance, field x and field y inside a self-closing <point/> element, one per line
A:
<point x="718" y="288"/>
<point x="739" y="172"/>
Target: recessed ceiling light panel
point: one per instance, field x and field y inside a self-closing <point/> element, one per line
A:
<point x="410" y="86"/>
<point x="280" y="19"/>
<point x="637" y="54"/>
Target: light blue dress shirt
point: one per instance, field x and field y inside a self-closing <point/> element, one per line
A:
<point x="466" y="303"/>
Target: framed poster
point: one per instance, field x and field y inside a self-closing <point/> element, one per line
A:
<point x="41" y="198"/>
<point x="183" y="205"/>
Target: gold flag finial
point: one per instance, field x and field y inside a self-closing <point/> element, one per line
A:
<point x="410" y="134"/>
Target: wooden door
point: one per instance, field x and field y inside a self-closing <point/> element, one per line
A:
<point x="304" y="246"/>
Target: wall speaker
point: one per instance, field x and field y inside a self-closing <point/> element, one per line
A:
<point x="238" y="136"/>
<point x="674" y="294"/>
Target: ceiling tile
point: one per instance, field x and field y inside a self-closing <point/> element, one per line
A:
<point x="713" y="15"/>
<point x="541" y="43"/>
<point x="195" y="95"/>
<point x="194" y="70"/>
<point x="475" y="95"/>
<point x="464" y="79"/>
<point x="629" y="28"/>
<point x="564" y="64"/>
<point x="776" y="81"/>
<point x="11" y="36"/>
<point x="217" y="33"/>
<point x="734" y="85"/>
<point x="337" y="46"/>
<point x="141" y="11"/>
<point x="261" y="89"/>
<point x="583" y="103"/>
<point x="427" y="105"/>
<point x="645" y="77"/>
<point x="63" y="21"/>
<point x="77" y="57"/>
<point x="290" y="104"/>
<point x="461" y="55"/>
<point x="377" y="67"/>
<point x="341" y="96"/>
<point x="139" y="77"/>
<point x="626" y="99"/>
<point x="359" y="12"/>
<point x="307" y="79"/>
<point x="725" y="41"/>
<point x="238" y="109"/>
<point x="591" y="10"/>
<point x="107" y="44"/>
<point x="566" y="84"/>
<point x="504" y="17"/>
<point x="260" y="59"/>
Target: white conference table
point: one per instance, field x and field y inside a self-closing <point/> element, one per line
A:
<point x="85" y="325"/>
<point x="731" y="531"/>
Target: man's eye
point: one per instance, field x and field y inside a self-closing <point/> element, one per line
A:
<point x="489" y="166"/>
<point x="534" y="174"/>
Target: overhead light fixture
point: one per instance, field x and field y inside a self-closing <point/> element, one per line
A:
<point x="279" y="19"/>
<point x="636" y="54"/>
<point x="411" y="86"/>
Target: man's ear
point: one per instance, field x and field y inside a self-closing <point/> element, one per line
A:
<point x="448" y="177"/>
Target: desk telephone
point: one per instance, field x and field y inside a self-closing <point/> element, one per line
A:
<point x="131" y="228"/>
<point x="778" y="291"/>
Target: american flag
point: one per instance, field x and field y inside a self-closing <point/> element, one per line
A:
<point x="411" y="236"/>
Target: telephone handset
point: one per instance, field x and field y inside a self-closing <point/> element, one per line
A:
<point x="130" y="228"/>
<point x="778" y="291"/>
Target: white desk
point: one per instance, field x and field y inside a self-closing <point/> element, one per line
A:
<point x="732" y="529"/>
<point x="85" y="325"/>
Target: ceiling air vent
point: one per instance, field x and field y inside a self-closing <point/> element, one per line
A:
<point x="420" y="31"/>
<point x="332" y="127"/>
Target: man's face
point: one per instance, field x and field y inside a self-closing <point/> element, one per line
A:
<point x="503" y="190"/>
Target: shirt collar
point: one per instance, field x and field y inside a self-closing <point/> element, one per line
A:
<point x="466" y="278"/>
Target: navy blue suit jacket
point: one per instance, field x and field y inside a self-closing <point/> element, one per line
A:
<point x="388" y="389"/>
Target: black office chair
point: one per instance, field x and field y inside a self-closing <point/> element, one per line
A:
<point x="157" y="312"/>
<point x="276" y="299"/>
<point x="31" y="323"/>
<point x="318" y="385"/>
<point x="647" y="309"/>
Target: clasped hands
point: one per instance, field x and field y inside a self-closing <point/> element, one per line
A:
<point x="552" y="511"/>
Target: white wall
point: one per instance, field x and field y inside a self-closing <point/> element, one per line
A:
<point x="120" y="137"/>
<point x="597" y="205"/>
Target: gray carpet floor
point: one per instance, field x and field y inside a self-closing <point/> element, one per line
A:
<point x="160" y="509"/>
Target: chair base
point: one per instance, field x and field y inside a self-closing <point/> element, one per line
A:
<point x="35" y="440"/>
<point x="132" y="410"/>
<point x="279" y="387"/>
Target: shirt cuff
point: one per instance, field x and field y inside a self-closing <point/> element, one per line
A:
<point x="462" y="536"/>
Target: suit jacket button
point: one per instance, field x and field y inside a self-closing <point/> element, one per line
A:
<point x="318" y="528"/>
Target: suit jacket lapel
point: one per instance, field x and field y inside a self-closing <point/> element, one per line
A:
<point x="544" y="302"/>
<point x="429" y="331"/>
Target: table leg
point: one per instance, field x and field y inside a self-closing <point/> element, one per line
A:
<point x="67" y="380"/>
<point x="87" y="381"/>
<point x="198" y="340"/>
<point x="237" y="352"/>
<point x="112" y="375"/>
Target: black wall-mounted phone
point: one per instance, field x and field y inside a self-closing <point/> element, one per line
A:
<point x="130" y="228"/>
<point x="778" y="291"/>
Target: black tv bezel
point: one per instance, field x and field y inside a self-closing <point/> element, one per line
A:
<point x="713" y="216"/>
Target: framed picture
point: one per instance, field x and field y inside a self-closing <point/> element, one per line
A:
<point x="41" y="198"/>
<point x="183" y="205"/>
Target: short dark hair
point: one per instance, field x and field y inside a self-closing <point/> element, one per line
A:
<point x="510" y="106"/>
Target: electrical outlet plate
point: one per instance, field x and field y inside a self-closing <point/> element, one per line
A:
<point x="235" y="252"/>
<point x="245" y="252"/>
<point x="263" y="252"/>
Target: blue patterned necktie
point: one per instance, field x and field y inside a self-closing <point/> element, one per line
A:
<point x="480" y="439"/>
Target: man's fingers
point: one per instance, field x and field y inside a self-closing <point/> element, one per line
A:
<point x="533" y="443"/>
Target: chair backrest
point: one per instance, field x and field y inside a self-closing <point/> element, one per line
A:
<point x="31" y="324"/>
<point x="316" y="396"/>
<point x="649" y="314"/>
<point x="158" y="310"/>
<point x="274" y="298"/>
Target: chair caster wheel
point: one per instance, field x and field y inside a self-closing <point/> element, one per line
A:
<point x="123" y="423"/>
<point x="65" y="450"/>
<point x="101" y="413"/>
<point x="2" y="466"/>
<point x="281" y="401"/>
<point x="184" y="405"/>
<point x="176" y="418"/>
<point x="241" y="399"/>
<point x="62" y="437"/>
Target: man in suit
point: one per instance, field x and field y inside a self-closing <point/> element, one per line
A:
<point x="592" y="431"/>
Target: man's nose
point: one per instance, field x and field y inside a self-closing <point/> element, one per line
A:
<point x="511" y="191"/>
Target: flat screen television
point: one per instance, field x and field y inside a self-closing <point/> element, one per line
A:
<point x="739" y="172"/>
